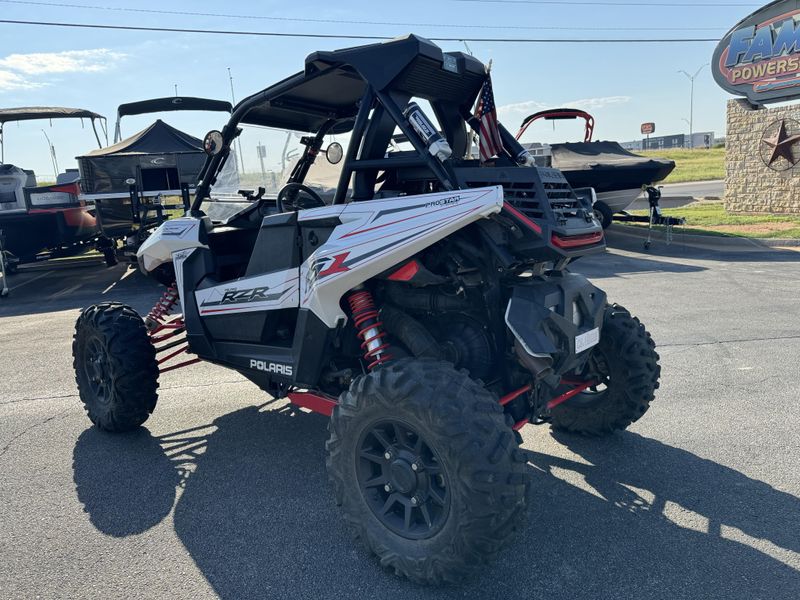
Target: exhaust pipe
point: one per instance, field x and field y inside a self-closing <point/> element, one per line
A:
<point x="541" y="367"/>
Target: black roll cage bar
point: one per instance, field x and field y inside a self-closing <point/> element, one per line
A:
<point x="371" y="100"/>
<point x="378" y="112"/>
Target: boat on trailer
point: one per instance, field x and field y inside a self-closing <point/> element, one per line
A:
<point x="49" y="218"/>
<point x="617" y="176"/>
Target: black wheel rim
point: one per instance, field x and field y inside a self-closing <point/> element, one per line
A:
<point x="402" y="479"/>
<point x="96" y="369"/>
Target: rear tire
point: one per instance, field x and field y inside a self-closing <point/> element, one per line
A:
<point x="115" y="366"/>
<point x="470" y="474"/>
<point x="628" y="354"/>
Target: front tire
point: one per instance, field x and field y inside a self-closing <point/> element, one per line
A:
<point x="115" y="366"/>
<point x="426" y="469"/>
<point x="626" y="362"/>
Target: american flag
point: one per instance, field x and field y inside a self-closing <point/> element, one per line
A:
<point x="491" y="143"/>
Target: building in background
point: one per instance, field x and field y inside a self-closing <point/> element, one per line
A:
<point x="701" y="139"/>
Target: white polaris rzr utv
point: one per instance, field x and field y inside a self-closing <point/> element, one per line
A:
<point x="428" y="309"/>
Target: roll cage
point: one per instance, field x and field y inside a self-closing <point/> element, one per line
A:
<point x="364" y="90"/>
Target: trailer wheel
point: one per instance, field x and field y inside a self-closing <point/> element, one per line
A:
<point x="426" y="469"/>
<point x="108" y="247"/>
<point x="626" y="363"/>
<point x="115" y="366"/>
<point x="603" y="213"/>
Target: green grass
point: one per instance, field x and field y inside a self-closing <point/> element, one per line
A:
<point x="693" y="165"/>
<point x="710" y="218"/>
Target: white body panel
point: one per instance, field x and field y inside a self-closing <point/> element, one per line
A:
<point x="373" y="236"/>
<point x="379" y="234"/>
<point x="250" y="294"/>
<point x="171" y="236"/>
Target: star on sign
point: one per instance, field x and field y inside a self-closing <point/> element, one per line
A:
<point x="781" y="144"/>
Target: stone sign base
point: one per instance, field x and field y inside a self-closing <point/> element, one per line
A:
<point x="751" y="186"/>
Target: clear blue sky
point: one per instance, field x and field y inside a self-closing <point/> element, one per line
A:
<point x="622" y="84"/>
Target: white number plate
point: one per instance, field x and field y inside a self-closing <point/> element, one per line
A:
<point x="586" y="340"/>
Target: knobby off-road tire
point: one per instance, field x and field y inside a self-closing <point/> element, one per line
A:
<point x="467" y="440"/>
<point x="632" y="371"/>
<point x="115" y="366"/>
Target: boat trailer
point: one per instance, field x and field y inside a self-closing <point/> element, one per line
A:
<point x="653" y="218"/>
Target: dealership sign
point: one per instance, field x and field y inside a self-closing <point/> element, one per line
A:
<point x="760" y="57"/>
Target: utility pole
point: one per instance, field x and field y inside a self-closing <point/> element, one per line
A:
<point x="689" y="123"/>
<point x="238" y="140"/>
<point x="691" y="101"/>
<point x="176" y="90"/>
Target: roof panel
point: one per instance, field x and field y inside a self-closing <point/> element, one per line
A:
<point x="334" y="81"/>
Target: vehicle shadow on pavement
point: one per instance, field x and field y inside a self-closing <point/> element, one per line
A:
<point x="616" y="265"/>
<point x="631" y="517"/>
<point x="745" y="251"/>
<point x="125" y="481"/>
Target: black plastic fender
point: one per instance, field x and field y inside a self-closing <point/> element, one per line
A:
<point x="541" y="316"/>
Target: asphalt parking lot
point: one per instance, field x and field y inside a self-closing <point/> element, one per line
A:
<point x="224" y="493"/>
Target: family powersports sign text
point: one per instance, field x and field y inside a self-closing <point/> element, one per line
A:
<point x="760" y="57"/>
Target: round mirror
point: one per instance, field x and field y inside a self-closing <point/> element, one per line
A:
<point x="334" y="153"/>
<point x="212" y="143"/>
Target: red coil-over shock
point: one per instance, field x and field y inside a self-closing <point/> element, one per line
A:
<point x="369" y="328"/>
<point x="155" y="318"/>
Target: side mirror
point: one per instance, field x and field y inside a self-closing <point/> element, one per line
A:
<point x="212" y="143"/>
<point x="334" y="153"/>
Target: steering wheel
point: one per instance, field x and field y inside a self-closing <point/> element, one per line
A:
<point x="289" y="195"/>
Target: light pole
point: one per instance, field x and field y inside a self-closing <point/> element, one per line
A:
<point x="691" y="101"/>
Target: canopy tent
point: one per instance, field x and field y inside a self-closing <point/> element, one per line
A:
<point x="160" y="158"/>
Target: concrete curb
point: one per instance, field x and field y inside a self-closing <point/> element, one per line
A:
<point x="717" y="241"/>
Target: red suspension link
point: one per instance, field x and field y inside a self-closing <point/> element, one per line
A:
<point x="369" y="328"/>
<point x="168" y="331"/>
<point x="162" y="308"/>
